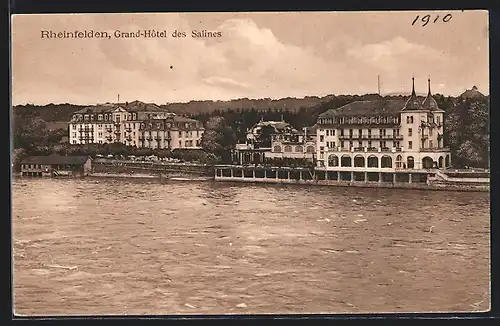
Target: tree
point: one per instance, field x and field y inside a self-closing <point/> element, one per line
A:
<point x="29" y="132"/>
<point x="218" y="138"/>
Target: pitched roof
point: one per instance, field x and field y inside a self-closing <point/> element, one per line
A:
<point x="366" y="108"/>
<point x="139" y="106"/>
<point x="99" y="108"/>
<point x="56" y="159"/>
<point x="136" y="106"/>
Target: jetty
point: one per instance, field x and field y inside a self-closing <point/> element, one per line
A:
<point x="390" y="178"/>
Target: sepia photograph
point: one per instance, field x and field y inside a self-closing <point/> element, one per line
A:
<point x="250" y="163"/>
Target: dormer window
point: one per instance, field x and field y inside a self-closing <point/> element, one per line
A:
<point x="142" y="125"/>
<point x="99" y="117"/>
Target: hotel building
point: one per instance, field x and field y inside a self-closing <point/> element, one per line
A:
<point x="128" y="123"/>
<point x="382" y="136"/>
<point x="275" y="140"/>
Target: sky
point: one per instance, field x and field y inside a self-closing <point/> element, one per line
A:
<point x="258" y="55"/>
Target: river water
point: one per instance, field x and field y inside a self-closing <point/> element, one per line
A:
<point x="110" y="246"/>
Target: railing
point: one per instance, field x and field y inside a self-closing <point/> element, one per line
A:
<point x="370" y="137"/>
<point x="364" y="149"/>
<point x="435" y="149"/>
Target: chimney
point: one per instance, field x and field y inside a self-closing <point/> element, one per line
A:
<point x="474" y="88"/>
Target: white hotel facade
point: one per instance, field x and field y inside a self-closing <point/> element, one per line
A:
<point x="134" y="124"/>
<point x="382" y="136"/>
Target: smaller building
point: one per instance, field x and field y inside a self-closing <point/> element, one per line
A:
<point x="294" y="145"/>
<point x="56" y="165"/>
<point x="275" y="142"/>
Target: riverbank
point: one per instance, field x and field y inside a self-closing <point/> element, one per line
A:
<point x="173" y="177"/>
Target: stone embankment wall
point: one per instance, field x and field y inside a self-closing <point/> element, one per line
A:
<point x="149" y="169"/>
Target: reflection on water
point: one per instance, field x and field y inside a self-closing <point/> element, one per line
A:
<point x="148" y="247"/>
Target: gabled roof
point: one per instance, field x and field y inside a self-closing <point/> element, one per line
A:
<point x="366" y="108"/>
<point x="99" y="108"/>
<point x="56" y="159"/>
<point x="135" y="106"/>
<point x="139" y="106"/>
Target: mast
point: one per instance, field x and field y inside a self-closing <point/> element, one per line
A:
<point x="378" y="84"/>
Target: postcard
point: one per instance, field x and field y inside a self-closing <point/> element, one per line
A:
<point x="245" y="163"/>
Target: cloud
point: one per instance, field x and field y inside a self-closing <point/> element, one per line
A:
<point x="250" y="59"/>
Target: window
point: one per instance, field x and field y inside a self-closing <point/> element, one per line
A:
<point x="408" y="119"/>
<point x="369" y="144"/>
<point x="360" y="132"/>
<point x="350" y="132"/>
<point x="410" y="131"/>
<point x="351" y="144"/>
<point x="333" y="132"/>
<point x="180" y="133"/>
<point x="360" y="143"/>
<point x="100" y="134"/>
<point x="321" y="138"/>
<point x="430" y="144"/>
<point x="180" y="143"/>
<point x="341" y="132"/>
<point x="430" y="131"/>
<point x="411" y="119"/>
<point x="74" y="135"/>
<point x="106" y="117"/>
<point x="410" y="144"/>
<point x="327" y="132"/>
<point x="396" y="144"/>
<point x="342" y="144"/>
<point x="438" y="120"/>
<point x="74" y="127"/>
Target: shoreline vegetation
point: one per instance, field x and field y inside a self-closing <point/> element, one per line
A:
<point x="43" y="130"/>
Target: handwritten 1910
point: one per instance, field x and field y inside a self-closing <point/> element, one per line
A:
<point x="428" y="18"/>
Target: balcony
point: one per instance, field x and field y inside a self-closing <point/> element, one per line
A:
<point x="365" y="149"/>
<point x="117" y="131"/>
<point x="86" y="129"/>
<point x="128" y="129"/>
<point x="370" y="137"/>
<point x="435" y="149"/>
